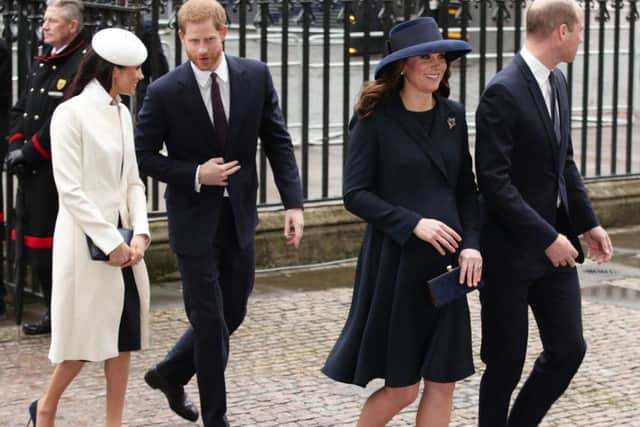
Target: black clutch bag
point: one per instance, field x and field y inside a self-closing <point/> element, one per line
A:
<point x="446" y="288"/>
<point x="96" y="253"/>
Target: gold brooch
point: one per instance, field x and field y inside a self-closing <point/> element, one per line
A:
<point x="451" y="122"/>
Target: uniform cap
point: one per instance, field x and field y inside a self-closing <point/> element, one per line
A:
<point x="119" y="47"/>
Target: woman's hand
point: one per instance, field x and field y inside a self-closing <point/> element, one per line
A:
<point x="438" y="234"/>
<point x="119" y="256"/>
<point x="136" y="249"/>
<point x="470" y="262"/>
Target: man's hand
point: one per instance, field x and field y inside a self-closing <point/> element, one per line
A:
<point x="561" y="252"/>
<point x="215" y="171"/>
<point x="438" y="234"/>
<point x="599" y="247"/>
<point x="293" y="226"/>
<point x="15" y="162"/>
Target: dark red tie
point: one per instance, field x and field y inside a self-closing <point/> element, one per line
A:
<point x="219" y="119"/>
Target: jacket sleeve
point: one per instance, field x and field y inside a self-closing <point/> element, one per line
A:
<point x="67" y="173"/>
<point x="276" y="142"/>
<point x="360" y="197"/>
<point x="136" y="199"/>
<point x="150" y="135"/>
<point x="582" y="215"/>
<point x="37" y="149"/>
<point x="15" y="137"/>
<point x="467" y="196"/>
<point x="496" y="135"/>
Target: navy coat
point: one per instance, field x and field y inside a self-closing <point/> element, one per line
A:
<point x="186" y="129"/>
<point x="395" y="175"/>
<point x="523" y="169"/>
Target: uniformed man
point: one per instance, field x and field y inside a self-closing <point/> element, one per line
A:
<point x="29" y="146"/>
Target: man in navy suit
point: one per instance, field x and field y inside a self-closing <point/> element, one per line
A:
<point x="536" y="206"/>
<point x="209" y="113"/>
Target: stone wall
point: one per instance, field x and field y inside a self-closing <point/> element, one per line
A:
<point x="332" y="233"/>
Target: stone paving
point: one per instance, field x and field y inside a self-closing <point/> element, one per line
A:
<point x="274" y="378"/>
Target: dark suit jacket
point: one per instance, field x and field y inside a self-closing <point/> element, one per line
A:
<point x="173" y="112"/>
<point x="398" y="174"/>
<point x="522" y="169"/>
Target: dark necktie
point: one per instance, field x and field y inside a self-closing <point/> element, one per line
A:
<point x="219" y="119"/>
<point x="555" y="116"/>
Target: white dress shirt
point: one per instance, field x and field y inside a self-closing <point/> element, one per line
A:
<point x="203" y="78"/>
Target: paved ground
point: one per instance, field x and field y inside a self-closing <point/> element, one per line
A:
<point x="273" y="374"/>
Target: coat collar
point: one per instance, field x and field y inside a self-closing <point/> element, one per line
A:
<point x="444" y="120"/>
<point x="80" y="42"/>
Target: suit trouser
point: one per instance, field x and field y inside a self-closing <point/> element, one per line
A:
<point x="216" y="287"/>
<point x="556" y="305"/>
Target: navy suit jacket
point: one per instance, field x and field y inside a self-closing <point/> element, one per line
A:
<point x="522" y="169"/>
<point x="173" y="113"/>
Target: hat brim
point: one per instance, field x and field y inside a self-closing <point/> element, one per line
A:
<point x="453" y="49"/>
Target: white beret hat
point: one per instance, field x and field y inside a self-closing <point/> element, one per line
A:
<point x="120" y="47"/>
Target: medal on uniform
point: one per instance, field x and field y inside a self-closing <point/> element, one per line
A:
<point x="451" y="122"/>
<point x="61" y="84"/>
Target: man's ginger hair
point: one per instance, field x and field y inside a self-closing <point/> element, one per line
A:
<point x="201" y="10"/>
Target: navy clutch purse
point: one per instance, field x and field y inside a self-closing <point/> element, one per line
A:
<point x="96" y="253"/>
<point x="445" y="288"/>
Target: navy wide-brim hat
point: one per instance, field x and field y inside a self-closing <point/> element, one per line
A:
<point x="420" y="36"/>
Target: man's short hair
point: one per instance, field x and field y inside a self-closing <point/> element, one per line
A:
<point x="71" y="9"/>
<point x="200" y="10"/>
<point x="544" y="16"/>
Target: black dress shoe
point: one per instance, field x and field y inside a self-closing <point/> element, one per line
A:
<point x="177" y="398"/>
<point x="38" y="328"/>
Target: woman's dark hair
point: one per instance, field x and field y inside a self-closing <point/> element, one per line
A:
<point x="391" y="79"/>
<point x="92" y="67"/>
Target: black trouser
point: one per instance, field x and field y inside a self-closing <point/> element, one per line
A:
<point x="44" y="278"/>
<point x="216" y="287"/>
<point x="556" y="304"/>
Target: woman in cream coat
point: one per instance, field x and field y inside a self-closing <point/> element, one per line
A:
<point x="99" y="308"/>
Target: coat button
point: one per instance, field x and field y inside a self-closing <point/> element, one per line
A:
<point x="54" y="67"/>
<point x="41" y="90"/>
<point x="31" y="90"/>
<point x="41" y="65"/>
<point x="25" y="115"/>
<point x="36" y="117"/>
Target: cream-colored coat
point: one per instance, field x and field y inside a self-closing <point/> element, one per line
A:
<point x="90" y="137"/>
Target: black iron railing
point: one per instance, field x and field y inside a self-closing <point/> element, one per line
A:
<point x="320" y="51"/>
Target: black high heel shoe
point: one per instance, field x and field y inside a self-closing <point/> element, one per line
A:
<point x="33" y="411"/>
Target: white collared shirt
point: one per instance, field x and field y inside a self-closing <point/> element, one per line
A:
<point x="55" y="51"/>
<point x="203" y="79"/>
<point x="541" y="74"/>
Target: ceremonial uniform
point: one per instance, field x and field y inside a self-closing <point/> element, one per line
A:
<point x="50" y="76"/>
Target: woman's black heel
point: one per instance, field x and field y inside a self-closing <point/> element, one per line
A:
<point x="33" y="410"/>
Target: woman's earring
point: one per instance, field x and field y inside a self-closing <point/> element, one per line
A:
<point x="402" y="72"/>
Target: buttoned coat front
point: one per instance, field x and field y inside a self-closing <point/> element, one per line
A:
<point x="97" y="178"/>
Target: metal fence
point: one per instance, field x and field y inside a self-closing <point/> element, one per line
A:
<point x="320" y="51"/>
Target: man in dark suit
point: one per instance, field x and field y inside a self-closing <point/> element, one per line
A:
<point x="536" y="206"/>
<point x="210" y="112"/>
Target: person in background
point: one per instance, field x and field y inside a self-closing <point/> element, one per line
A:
<point x="29" y="138"/>
<point x="99" y="309"/>
<point x="209" y="113"/>
<point x="5" y="99"/>
<point x="536" y="206"/>
<point x="409" y="175"/>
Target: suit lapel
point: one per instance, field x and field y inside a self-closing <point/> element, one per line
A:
<point x="195" y="102"/>
<point x="239" y="87"/>
<point x="417" y="133"/>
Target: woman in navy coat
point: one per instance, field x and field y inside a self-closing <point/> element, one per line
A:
<point x="408" y="174"/>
